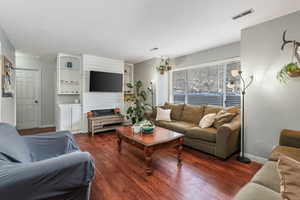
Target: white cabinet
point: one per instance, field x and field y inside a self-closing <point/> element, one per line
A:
<point x="68" y="117"/>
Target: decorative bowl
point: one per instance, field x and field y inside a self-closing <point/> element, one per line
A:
<point x="147" y="129"/>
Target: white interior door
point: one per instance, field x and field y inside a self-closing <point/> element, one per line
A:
<point x="28" y="98"/>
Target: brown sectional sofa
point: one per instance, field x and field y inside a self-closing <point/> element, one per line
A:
<point x="221" y="142"/>
<point x="265" y="185"/>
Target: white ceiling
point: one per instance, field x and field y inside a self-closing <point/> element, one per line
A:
<point x="127" y="29"/>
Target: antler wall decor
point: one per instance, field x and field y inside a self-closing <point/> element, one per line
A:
<point x="295" y="44"/>
<point x="292" y="69"/>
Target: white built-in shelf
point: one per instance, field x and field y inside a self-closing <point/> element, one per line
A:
<point x="68" y="74"/>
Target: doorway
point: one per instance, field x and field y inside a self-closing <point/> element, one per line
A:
<point x="28" y="97"/>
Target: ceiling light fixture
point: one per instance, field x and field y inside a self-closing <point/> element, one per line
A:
<point x="243" y="14"/>
<point x="154" y="49"/>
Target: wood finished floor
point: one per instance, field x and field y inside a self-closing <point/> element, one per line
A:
<point x="33" y="131"/>
<point x="122" y="176"/>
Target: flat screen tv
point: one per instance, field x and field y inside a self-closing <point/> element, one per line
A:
<point x="105" y="82"/>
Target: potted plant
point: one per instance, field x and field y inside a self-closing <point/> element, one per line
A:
<point x="164" y="66"/>
<point x="290" y="70"/>
<point x="138" y="106"/>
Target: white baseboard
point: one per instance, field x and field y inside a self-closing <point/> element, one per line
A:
<point x="258" y="159"/>
<point x="47" y="126"/>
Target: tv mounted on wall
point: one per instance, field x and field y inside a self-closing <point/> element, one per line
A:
<point x="105" y="82"/>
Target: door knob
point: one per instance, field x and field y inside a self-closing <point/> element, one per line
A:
<point x="36" y="101"/>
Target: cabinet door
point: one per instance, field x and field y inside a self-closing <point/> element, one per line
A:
<point x="64" y="112"/>
<point x="76" y="117"/>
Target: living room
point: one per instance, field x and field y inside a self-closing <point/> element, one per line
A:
<point x="139" y="100"/>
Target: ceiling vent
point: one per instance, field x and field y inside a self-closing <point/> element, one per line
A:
<point x="243" y="14"/>
<point x="154" y="49"/>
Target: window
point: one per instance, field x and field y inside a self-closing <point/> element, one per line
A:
<point x="206" y="85"/>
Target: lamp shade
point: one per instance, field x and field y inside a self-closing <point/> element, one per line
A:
<point x="235" y="73"/>
<point x="231" y="85"/>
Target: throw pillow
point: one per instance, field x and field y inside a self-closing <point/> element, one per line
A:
<point x="207" y="121"/>
<point x="289" y="171"/>
<point x="163" y="114"/>
<point x="233" y="109"/>
<point x="223" y="117"/>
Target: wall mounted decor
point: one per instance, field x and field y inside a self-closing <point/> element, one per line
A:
<point x="292" y="69"/>
<point x="7" y="78"/>
<point x="69" y="64"/>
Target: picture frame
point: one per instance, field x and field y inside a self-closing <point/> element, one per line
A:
<point x="7" y="78"/>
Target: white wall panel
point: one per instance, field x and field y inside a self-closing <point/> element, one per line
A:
<point x="99" y="100"/>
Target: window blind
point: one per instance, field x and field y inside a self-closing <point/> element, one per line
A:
<point x="206" y="85"/>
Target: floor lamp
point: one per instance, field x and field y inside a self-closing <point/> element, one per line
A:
<point x="244" y="85"/>
<point x="151" y="90"/>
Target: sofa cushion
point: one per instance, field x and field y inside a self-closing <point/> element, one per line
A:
<point x="207" y="134"/>
<point x="268" y="176"/>
<point x="289" y="170"/>
<point x="179" y="126"/>
<point x="161" y="123"/>
<point x="291" y="152"/>
<point x="253" y="191"/>
<point x="233" y="109"/>
<point x="223" y="117"/>
<point x="212" y="109"/>
<point x="176" y="110"/>
<point x="192" y="114"/>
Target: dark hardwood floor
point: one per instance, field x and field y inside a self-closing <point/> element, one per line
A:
<point x="122" y="176"/>
<point x="33" y="131"/>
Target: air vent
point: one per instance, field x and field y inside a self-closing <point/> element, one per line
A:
<point x="243" y="14"/>
<point x="154" y="49"/>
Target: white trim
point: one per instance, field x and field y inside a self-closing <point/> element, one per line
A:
<point x="28" y="69"/>
<point x="258" y="159"/>
<point x="47" y="126"/>
<point x="217" y="62"/>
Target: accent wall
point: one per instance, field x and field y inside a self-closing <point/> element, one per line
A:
<point x="270" y="106"/>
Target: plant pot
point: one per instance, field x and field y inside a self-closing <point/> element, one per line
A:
<point x="90" y="115"/>
<point x="161" y="71"/>
<point x="294" y="74"/>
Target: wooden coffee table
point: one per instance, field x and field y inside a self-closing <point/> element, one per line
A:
<point x="160" y="139"/>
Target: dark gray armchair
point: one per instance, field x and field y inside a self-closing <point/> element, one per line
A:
<point x="43" y="167"/>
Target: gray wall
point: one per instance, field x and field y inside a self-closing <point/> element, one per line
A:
<point x="47" y="68"/>
<point x="8" y="104"/>
<point x="146" y="71"/>
<point x="215" y="54"/>
<point x="270" y="106"/>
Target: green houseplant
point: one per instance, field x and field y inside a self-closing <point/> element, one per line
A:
<point x="164" y="66"/>
<point x="138" y="106"/>
<point x="290" y="70"/>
